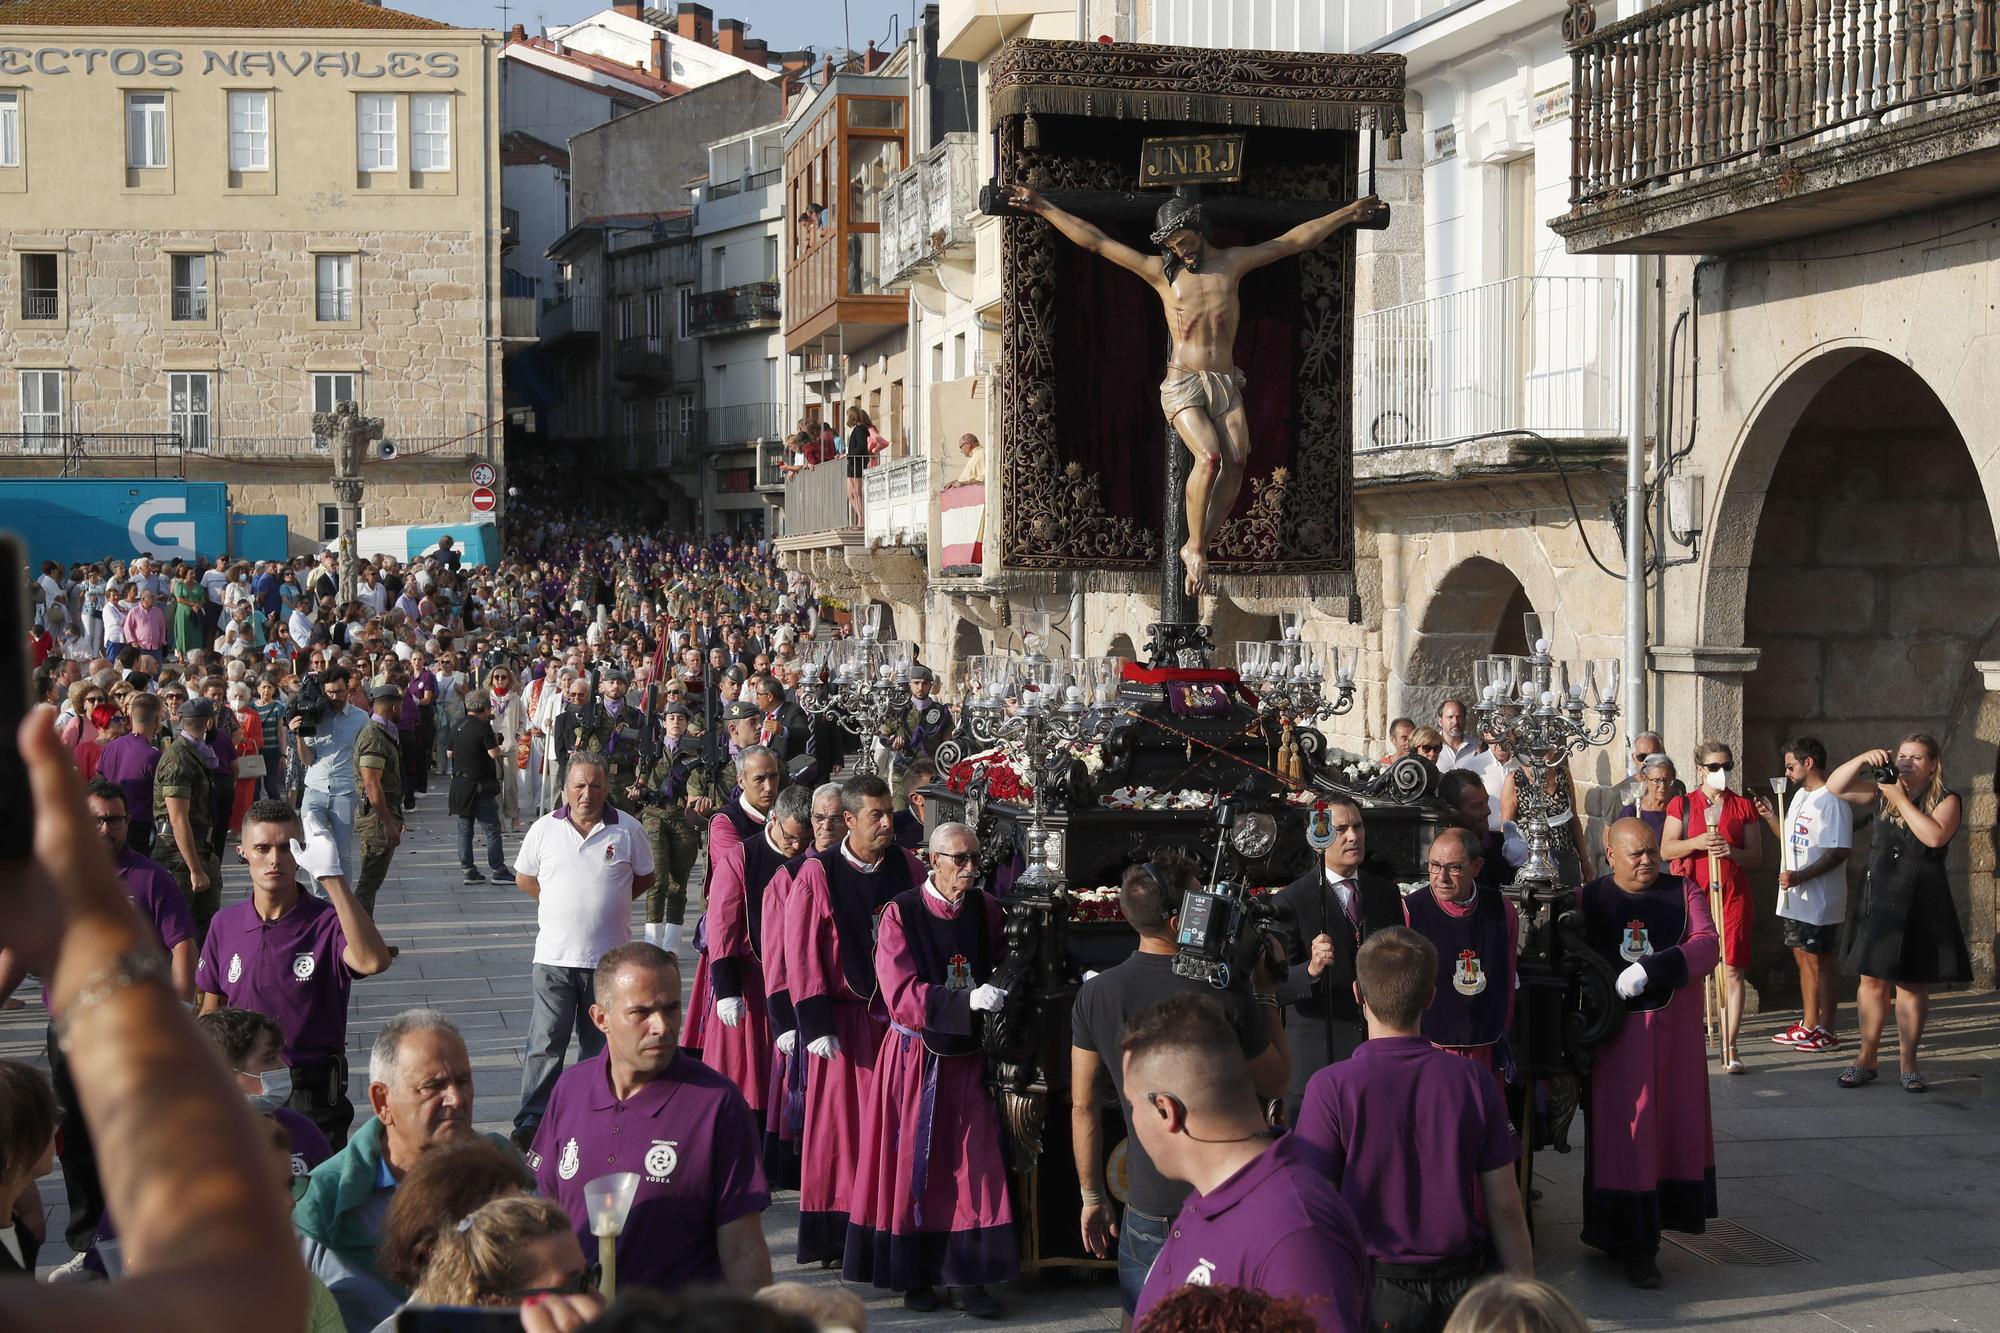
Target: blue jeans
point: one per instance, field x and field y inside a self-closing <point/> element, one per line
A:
<point x="338" y="810"/>
<point x="560" y="1005"/>
<point x="486" y="810"/>
<point x="1141" y="1237"/>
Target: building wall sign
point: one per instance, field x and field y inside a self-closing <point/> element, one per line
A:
<point x="170" y="62"/>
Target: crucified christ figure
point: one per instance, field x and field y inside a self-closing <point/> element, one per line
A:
<point x="1202" y="395"/>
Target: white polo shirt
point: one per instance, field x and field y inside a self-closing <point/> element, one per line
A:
<point x="586" y="904"/>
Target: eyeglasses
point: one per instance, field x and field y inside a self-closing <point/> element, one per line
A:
<point x="1447" y="867"/>
<point x="1720" y="768"/>
<point x="584" y="1280"/>
<point x="960" y="859"/>
<point x="105" y="821"/>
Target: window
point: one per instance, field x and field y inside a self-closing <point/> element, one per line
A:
<point x="684" y="296"/>
<point x="770" y="259"/>
<point x="41" y="402"/>
<point x="627" y="310"/>
<point x="656" y="315"/>
<point x="249" y="131"/>
<point x="334" y="289"/>
<point x="631" y="420"/>
<point x="329" y="389"/>
<point x="937" y="362"/>
<point x="663" y="422"/>
<point x="145" y="130"/>
<point x="375" y="128"/>
<point x="684" y="411"/>
<point x="875" y="113"/>
<point x="190" y="287"/>
<point x="958" y="355"/>
<point x="10" y="129"/>
<point x="329" y="522"/>
<point x="430" y="132"/>
<point x="188" y="413"/>
<point x="718" y="263"/>
<point x="41" y="286"/>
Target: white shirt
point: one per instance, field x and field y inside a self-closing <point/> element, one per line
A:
<point x="1455" y="756"/>
<point x="1344" y="890"/>
<point x="374" y="596"/>
<point x="1493" y="774"/>
<point x="585" y="909"/>
<point x="214" y="581"/>
<point x="1815" y="822"/>
<point x="301" y="626"/>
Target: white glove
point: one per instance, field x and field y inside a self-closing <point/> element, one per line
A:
<point x="788" y="1042"/>
<point x="319" y="854"/>
<point x="988" y="998"/>
<point x="1631" y="982"/>
<point x="730" y="1012"/>
<point x="824" y="1047"/>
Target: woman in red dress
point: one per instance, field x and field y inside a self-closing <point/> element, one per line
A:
<point x="1713" y="819"/>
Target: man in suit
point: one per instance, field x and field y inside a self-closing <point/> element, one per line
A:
<point x="1338" y="905"/>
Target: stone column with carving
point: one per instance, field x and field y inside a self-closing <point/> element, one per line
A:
<point x="348" y="435"/>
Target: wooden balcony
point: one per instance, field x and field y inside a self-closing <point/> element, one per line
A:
<point x="1708" y="126"/>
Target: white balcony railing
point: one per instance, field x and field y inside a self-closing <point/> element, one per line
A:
<point x="896" y="501"/>
<point x="1523" y="354"/>
<point x="930" y="207"/>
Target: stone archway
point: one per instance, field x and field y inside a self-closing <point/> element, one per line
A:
<point x="1856" y="552"/>
<point x="1474" y="611"/>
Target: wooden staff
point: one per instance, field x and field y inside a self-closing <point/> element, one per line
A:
<point x="1715" y="999"/>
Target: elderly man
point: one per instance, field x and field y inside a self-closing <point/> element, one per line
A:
<point x="1472" y="926"/>
<point x="293" y="956"/>
<point x="747" y="844"/>
<point x="830" y="967"/>
<point x="146" y="624"/>
<point x="583" y="863"/>
<point x="1649" y="1162"/>
<point x="697" y="1216"/>
<point x="785" y="1107"/>
<point x="929" y="1205"/>
<point x="1337" y="905"/>
<point x="420" y="1086"/>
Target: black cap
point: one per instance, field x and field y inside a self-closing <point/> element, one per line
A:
<point x="676" y="709"/>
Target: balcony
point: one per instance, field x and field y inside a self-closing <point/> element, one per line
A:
<point x="190" y="304"/>
<point x="931" y="208"/>
<point x="1525" y="354"/>
<point x="124" y="437"/>
<point x="754" y="305"/>
<point x="742" y="185"/>
<point x="772" y="455"/>
<point x="741" y="425"/>
<point x="816" y="514"/>
<point x="642" y="358"/>
<point x="570" y="318"/>
<point x="334" y="307"/>
<point x="510" y="228"/>
<point x="644" y="451"/>
<point x="1708" y="126"/>
<point x="896" y="500"/>
<point x="40" y="303"/>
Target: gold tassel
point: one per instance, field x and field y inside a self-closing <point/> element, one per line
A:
<point x="1031" y="133"/>
<point x="1392" y="146"/>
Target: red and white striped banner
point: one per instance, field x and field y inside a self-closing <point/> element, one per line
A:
<point x="962" y="519"/>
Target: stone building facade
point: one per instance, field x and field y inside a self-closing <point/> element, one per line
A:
<point x="212" y="231"/>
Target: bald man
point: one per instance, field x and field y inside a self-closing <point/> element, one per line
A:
<point x="1649" y="1161"/>
<point x="1473" y="928"/>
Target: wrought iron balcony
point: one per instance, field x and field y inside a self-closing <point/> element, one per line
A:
<point x="896" y="501"/>
<point x="741" y="425"/>
<point x="754" y="305"/>
<point x="40" y="303"/>
<point x="1524" y="354"/>
<point x="1705" y="126"/>
<point x="335" y="307"/>
<point x="930" y="209"/>
<point x="192" y="304"/>
<point x="816" y="513"/>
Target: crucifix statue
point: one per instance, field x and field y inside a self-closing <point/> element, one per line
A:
<point x="348" y="435"/>
<point x="1202" y="394"/>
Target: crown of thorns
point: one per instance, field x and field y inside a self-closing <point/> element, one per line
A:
<point x="1178" y="214"/>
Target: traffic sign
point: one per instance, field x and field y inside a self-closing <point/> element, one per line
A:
<point x="483" y="474"/>
<point x="483" y="500"/>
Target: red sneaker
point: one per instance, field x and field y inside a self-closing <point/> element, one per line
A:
<point x="1822" y="1040"/>
<point x="1795" y="1035"/>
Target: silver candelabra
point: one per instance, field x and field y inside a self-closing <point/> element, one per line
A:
<point x="1532" y="707"/>
<point x="860" y="682"/>
<point x="1043" y="707"/>
<point x="1290" y="676"/>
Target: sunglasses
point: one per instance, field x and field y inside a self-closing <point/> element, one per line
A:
<point x="1720" y="768"/>
<point x="957" y="858"/>
<point x="584" y="1280"/>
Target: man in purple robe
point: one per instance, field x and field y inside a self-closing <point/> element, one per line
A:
<point x="830" y="963"/>
<point x="785" y="1107"/>
<point x="1473" y="928"/>
<point x="1649" y="1160"/>
<point x="929" y="1206"/>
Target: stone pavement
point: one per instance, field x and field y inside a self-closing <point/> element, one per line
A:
<point x="1888" y="1199"/>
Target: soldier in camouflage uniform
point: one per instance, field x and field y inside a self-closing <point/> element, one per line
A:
<point x="618" y="732"/>
<point x="676" y="838"/>
<point x="183" y="810"/>
<point x="379" y="827"/>
<point x="917" y="731"/>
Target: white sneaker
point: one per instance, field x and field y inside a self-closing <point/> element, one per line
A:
<point x="652" y="932"/>
<point x="73" y="1271"/>
<point x="670" y="937"/>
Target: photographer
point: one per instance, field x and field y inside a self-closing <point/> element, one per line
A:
<point x="1906" y="937"/>
<point x="1150" y="897"/>
<point x="326" y="748"/>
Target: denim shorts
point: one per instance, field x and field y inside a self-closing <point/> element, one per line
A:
<point x="1141" y="1237"/>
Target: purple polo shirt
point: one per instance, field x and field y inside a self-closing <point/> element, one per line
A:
<point x="1277" y="1225"/>
<point x="690" y="1136"/>
<point x="1404" y="1130"/>
<point x="309" y="1146"/>
<point x="290" y="970"/>
<point x="153" y="891"/>
<point x="129" y="761"/>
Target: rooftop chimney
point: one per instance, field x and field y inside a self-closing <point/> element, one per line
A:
<point x="631" y="9"/>
<point x="660" y="66"/>
<point x="729" y="37"/>
<point x="518" y="33"/>
<point x="757" y="51"/>
<point x="826" y="75"/>
<point x="872" y="59"/>
<point x="695" y="22"/>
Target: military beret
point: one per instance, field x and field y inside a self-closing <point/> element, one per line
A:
<point x="377" y="693"/>
<point x="739" y="710"/>
<point x="921" y="672"/>
<point x="676" y="710"/>
<point x="197" y="709"/>
<point x="737" y="674"/>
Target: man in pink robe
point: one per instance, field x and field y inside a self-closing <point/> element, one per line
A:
<point x="785" y="1105"/>
<point x="830" y="963"/>
<point x="1649" y="1159"/>
<point x="929" y="1205"/>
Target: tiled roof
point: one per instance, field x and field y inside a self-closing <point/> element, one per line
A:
<point x="525" y="150"/>
<point x="635" y="75"/>
<point x="207" y="14"/>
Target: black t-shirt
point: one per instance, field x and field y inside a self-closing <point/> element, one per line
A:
<point x="1104" y="1005"/>
<point x="468" y="750"/>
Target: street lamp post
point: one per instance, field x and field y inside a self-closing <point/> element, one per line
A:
<point x="348" y="435"/>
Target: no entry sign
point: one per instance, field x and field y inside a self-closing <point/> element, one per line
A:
<point x="483" y="500"/>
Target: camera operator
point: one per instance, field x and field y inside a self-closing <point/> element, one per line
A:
<point x="1150" y="897"/>
<point x="326" y="748"/>
<point x="1337" y="906"/>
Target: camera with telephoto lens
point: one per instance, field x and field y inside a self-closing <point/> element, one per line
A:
<point x="309" y="705"/>
<point x="1881" y="772"/>
<point x="1224" y="930"/>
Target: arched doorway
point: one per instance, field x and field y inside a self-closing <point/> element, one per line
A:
<point x="1475" y="611"/>
<point x="1873" y="586"/>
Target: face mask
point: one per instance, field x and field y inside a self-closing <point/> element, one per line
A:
<point x="274" y="1090"/>
<point x="1716" y="780"/>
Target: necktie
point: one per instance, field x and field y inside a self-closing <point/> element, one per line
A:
<point x="1348" y="904"/>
